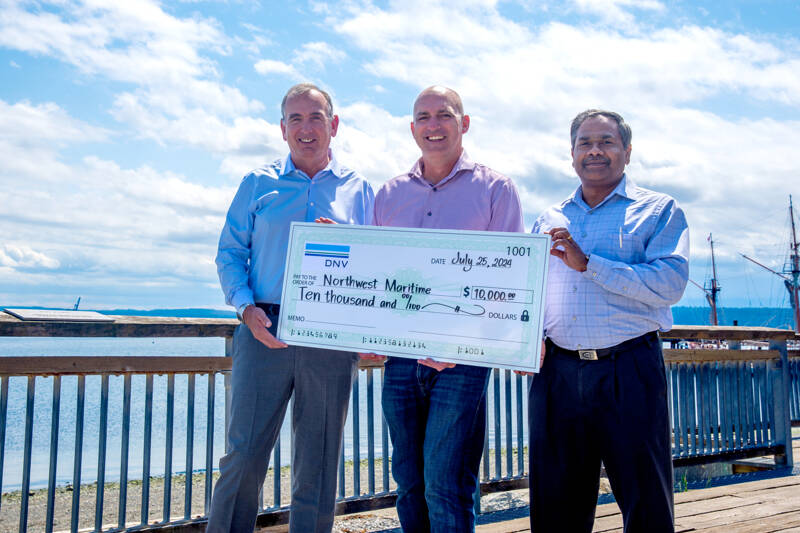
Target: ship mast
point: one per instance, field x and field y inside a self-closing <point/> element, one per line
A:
<point x="793" y="285"/>
<point x="712" y="288"/>
<point x="791" y="271"/>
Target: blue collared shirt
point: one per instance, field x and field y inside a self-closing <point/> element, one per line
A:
<point x="252" y="247"/>
<point x="638" y="246"/>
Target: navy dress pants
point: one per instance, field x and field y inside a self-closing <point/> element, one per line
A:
<point x="613" y="410"/>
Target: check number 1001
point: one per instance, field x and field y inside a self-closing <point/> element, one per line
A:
<point x="518" y="251"/>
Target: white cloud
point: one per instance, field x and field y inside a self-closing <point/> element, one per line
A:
<point x="24" y="258"/>
<point x="319" y="54"/>
<point x="94" y="219"/>
<point x="617" y="11"/>
<point x="136" y="43"/>
<point x="523" y="85"/>
<point x="271" y="66"/>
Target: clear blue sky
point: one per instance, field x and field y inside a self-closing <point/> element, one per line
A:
<point x="125" y="127"/>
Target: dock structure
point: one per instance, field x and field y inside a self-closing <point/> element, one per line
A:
<point x="727" y="404"/>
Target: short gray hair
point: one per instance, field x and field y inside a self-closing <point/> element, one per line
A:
<point x="301" y="89"/>
<point x="625" y="133"/>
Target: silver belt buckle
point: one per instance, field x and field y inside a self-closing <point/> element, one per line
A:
<point x="587" y="355"/>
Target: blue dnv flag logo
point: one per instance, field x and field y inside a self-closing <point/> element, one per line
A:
<point x="335" y="255"/>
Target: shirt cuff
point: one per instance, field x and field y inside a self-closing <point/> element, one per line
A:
<point x="240" y="299"/>
<point x="596" y="269"/>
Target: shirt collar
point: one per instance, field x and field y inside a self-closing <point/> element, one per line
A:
<point x="625" y="189"/>
<point x="333" y="166"/>
<point x="464" y="163"/>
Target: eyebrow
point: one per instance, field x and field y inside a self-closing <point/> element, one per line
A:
<point x="604" y="136"/>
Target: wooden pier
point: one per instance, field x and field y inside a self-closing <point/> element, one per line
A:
<point x="765" y="505"/>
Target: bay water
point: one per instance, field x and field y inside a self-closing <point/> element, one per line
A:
<point x="145" y="347"/>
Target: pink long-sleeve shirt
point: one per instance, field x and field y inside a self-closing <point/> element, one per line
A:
<point x="471" y="197"/>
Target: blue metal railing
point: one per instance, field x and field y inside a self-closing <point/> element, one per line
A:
<point x="720" y="410"/>
<point x="794" y="372"/>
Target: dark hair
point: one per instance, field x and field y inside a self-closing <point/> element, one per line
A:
<point x="625" y="133"/>
<point x="305" y="88"/>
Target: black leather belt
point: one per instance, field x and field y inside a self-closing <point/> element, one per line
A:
<point x="270" y="309"/>
<point x="601" y="353"/>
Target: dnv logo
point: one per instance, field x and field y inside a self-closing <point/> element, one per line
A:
<point x="335" y="255"/>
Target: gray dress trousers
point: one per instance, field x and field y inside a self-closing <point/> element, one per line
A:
<point x="262" y="384"/>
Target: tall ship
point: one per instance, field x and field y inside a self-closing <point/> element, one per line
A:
<point x="790" y="273"/>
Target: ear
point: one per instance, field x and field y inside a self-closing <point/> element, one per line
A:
<point x="412" y="128"/>
<point x="283" y="130"/>
<point x="628" y="154"/>
<point x="464" y="124"/>
<point x="334" y="125"/>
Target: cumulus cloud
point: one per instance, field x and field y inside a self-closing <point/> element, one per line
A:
<point x="164" y="57"/>
<point x="319" y="54"/>
<point x="523" y="85"/>
<point x="272" y="66"/>
<point x="25" y="258"/>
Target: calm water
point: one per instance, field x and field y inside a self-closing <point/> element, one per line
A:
<point x="144" y="347"/>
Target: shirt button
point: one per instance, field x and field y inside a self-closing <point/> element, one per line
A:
<point x="434" y="189"/>
<point x="429" y="213"/>
<point x="310" y="203"/>
<point x="594" y="274"/>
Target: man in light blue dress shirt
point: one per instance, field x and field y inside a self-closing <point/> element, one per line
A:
<point x="621" y="260"/>
<point x="307" y="185"/>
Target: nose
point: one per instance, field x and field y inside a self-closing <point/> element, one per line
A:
<point x="595" y="149"/>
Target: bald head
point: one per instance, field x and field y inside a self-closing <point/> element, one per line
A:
<point x="449" y="94"/>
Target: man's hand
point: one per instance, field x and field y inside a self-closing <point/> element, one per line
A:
<point x="323" y="220"/>
<point x="256" y="319"/>
<point x="436" y="365"/>
<point x="369" y="356"/>
<point x="565" y="248"/>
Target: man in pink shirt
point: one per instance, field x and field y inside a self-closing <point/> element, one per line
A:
<point x="436" y="411"/>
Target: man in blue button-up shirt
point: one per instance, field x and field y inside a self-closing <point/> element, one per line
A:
<point x="621" y="259"/>
<point x="308" y="185"/>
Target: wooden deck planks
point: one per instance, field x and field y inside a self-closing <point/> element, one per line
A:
<point x="768" y="505"/>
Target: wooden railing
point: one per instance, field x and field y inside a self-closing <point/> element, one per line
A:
<point x="725" y="404"/>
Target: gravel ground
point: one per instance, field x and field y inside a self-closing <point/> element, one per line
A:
<point x="37" y="501"/>
<point x="384" y="520"/>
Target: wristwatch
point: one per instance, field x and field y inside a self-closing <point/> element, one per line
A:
<point x="240" y="311"/>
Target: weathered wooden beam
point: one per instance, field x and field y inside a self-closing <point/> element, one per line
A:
<point x="51" y="366"/>
<point x="123" y="326"/>
<point x="736" y="333"/>
<point x="680" y="356"/>
<point x="87" y="364"/>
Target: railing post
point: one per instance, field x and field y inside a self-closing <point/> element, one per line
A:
<point x="780" y="392"/>
<point x="228" y="386"/>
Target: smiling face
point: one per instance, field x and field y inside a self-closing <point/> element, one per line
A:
<point x="308" y="129"/>
<point x="439" y="124"/>
<point x="599" y="156"/>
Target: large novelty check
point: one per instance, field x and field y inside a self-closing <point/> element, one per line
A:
<point x="471" y="297"/>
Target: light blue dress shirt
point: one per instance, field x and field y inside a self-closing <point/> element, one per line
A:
<point x="637" y="241"/>
<point x="252" y="247"/>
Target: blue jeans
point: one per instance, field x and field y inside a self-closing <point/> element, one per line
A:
<point x="437" y="422"/>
